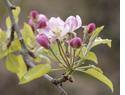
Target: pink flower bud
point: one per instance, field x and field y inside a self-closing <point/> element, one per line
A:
<point x="42" y="21"/>
<point x="31" y="24"/>
<point x="43" y="40"/>
<point x="75" y="42"/>
<point x="34" y="14"/>
<point x="91" y="27"/>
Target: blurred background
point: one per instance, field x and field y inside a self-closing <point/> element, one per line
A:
<point x="101" y="12"/>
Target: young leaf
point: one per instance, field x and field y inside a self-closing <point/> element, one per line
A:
<point x="37" y="59"/>
<point x="91" y="56"/>
<point x="15" y="45"/>
<point x="12" y="63"/>
<point x="35" y="72"/>
<point x="15" y="13"/>
<point x="93" y="37"/>
<point x="22" y="66"/>
<point x="28" y="31"/>
<point x="2" y="53"/>
<point x="99" y="76"/>
<point x="29" y="42"/>
<point x="102" y="41"/>
<point x="96" y="33"/>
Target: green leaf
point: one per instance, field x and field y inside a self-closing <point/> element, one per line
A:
<point x="28" y="31"/>
<point x="15" y="13"/>
<point x="12" y="63"/>
<point x="35" y="72"/>
<point x="99" y="76"/>
<point x="50" y="54"/>
<point x="2" y="35"/>
<point x="15" y="45"/>
<point x="96" y="33"/>
<point x="92" y="38"/>
<point x="22" y="66"/>
<point x="91" y="56"/>
<point x="56" y="51"/>
<point x="37" y="59"/>
<point x="29" y="42"/>
<point x="102" y="41"/>
<point x="2" y="53"/>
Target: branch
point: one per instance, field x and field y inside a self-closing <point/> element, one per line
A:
<point x="25" y="54"/>
<point x="11" y="36"/>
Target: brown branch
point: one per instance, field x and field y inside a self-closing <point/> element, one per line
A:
<point x="25" y="55"/>
<point x="11" y="36"/>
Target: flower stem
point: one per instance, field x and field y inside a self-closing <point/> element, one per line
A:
<point x="62" y="51"/>
<point x="58" y="69"/>
<point x="57" y="57"/>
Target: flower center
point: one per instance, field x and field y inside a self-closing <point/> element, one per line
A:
<point x="57" y="31"/>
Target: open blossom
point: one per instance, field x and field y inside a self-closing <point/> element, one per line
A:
<point x="91" y="27"/>
<point x="56" y="26"/>
<point x="72" y="23"/>
<point x="34" y="14"/>
<point x="75" y="42"/>
<point x="43" y="40"/>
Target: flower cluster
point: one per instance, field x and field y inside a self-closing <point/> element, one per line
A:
<point x="39" y="20"/>
<point x="56" y="28"/>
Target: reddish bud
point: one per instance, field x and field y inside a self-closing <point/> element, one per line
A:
<point x="31" y="24"/>
<point x="75" y="42"/>
<point x="43" y="40"/>
<point x="42" y="21"/>
<point x="91" y="27"/>
<point x="34" y="14"/>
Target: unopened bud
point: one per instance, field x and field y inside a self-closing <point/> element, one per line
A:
<point x="43" y="40"/>
<point x="75" y="42"/>
<point x="34" y="14"/>
<point x="91" y="27"/>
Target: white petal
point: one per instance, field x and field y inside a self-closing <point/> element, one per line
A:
<point x="79" y="21"/>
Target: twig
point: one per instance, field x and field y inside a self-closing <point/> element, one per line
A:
<point x="11" y="36"/>
<point x="25" y="55"/>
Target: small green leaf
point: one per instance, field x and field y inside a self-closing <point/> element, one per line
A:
<point x="37" y="59"/>
<point x="50" y="54"/>
<point x="29" y="42"/>
<point x="22" y="66"/>
<point x="28" y="31"/>
<point x="99" y="76"/>
<point x="96" y="33"/>
<point x="15" y="45"/>
<point x="2" y="35"/>
<point x="91" y="56"/>
<point x="12" y="63"/>
<point x="56" y="51"/>
<point x="93" y="37"/>
<point x="15" y="13"/>
<point x="35" y="72"/>
<point x="102" y="41"/>
<point x="2" y="53"/>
